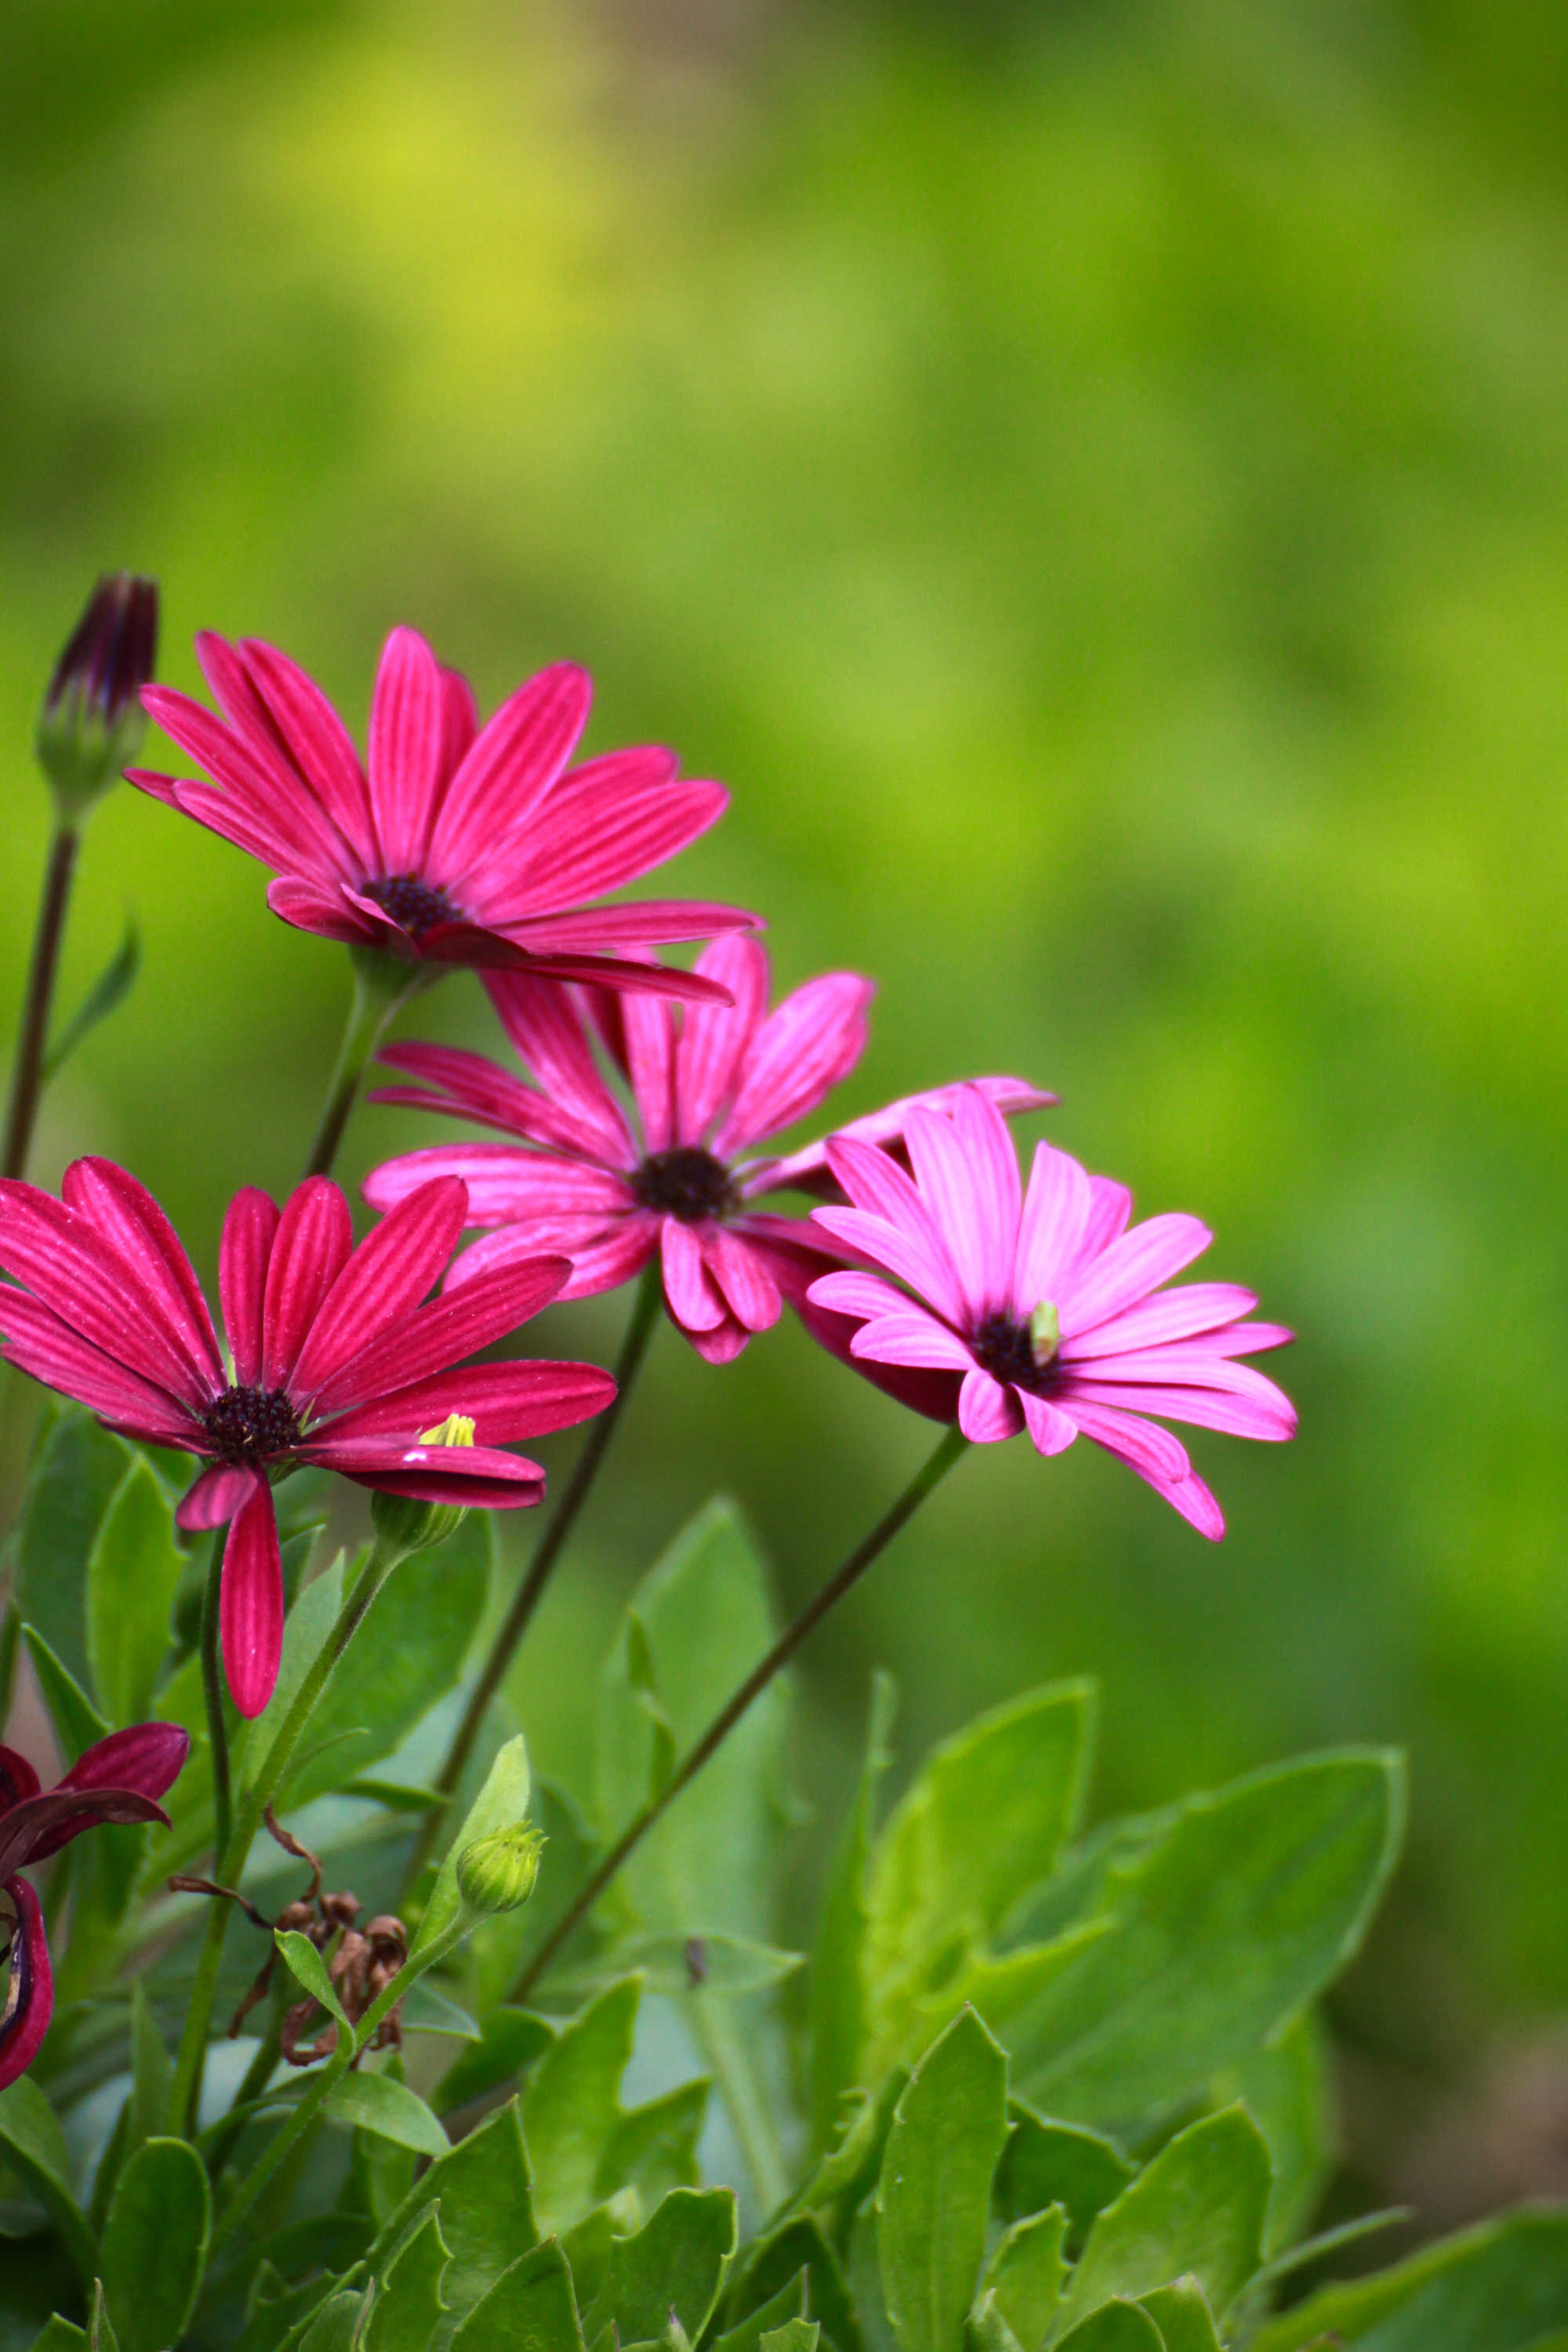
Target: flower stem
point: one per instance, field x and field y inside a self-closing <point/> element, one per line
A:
<point x="28" y="1078"/>
<point x="212" y="1691"/>
<point x="381" y="986"/>
<point x="634" y="1347"/>
<point x="821" y="1602"/>
<point x="186" y="2096"/>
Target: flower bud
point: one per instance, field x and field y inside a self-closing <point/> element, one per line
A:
<point x="93" y="723"/>
<point x="406" y="1524"/>
<point x="497" y="1873"/>
<point x="1045" y="1334"/>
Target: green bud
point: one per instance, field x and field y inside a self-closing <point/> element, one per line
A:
<point x="498" y="1873"/>
<point x="1045" y="1334"/>
<point x="93" y="723"/>
<point x="404" y="1523"/>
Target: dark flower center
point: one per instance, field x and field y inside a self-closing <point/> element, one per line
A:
<point x="251" y="1425"/>
<point x="1006" y="1350"/>
<point x="687" y="1182"/>
<point x="416" y="905"/>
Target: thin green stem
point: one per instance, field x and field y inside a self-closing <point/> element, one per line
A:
<point x="381" y="986"/>
<point x="796" y="1631"/>
<point x="186" y="2096"/>
<point x="211" y="1693"/>
<point x="258" y="2075"/>
<point x="27" y="1076"/>
<point x="519" y="1617"/>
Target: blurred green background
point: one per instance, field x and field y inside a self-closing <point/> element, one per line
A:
<point x="1094" y="480"/>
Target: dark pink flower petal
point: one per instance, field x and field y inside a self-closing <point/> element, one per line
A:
<point x="511" y="765"/>
<point x="505" y="1185"/>
<point x="30" y="1995"/>
<point x="37" y="1342"/>
<point x="312" y="1248"/>
<point x="908" y="1335"/>
<point x="1051" y="1228"/>
<point x="460" y="722"/>
<point x="387" y="1276"/>
<point x="1241" y="1340"/>
<point x="318" y="742"/>
<point x="1133" y="1265"/>
<point x="474" y="1088"/>
<point x="39" y="1826"/>
<point x="589" y="934"/>
<point x="329" y="912"/>
<point x="17" y="1778"/>
<point x="255" y="802"/>
<point x="407" y="743"/>
<point x="723" y="1344"/>
<point x="958" y="1182"/>
<point x="1051" y="1429"/>
<point x="742" y="1275"/>
<point x="865" y="1295"/>
<point x="799" y="1053"/>
<point x="1197" y="1308"/>
<point x="600" y="829"/>
<point x="650" y="1053"/>
<point x="129" y="1222"/>
<point x="473" y="1476"/>
<point x="545" y="1026"/>
<point x="603" y="1265"/>
<point x="1204" y="1407"/>
<point x="987" y="1411"/>
<point x="239" y="684"/>
<point x="1110" y="1213"/>
<point x="60" y="1256"/>
<point x="1143" y="1445"/>
<point x="807" y="1168"/>
<point x="609" y="1251"/>
<point x="932" y="1393"/>
<point x="504" y="1401"/>
<point x="879" y="1187"/>
<point x="251" y="1603"/>
<point x="249" y="1230"/>
<point x="692" y="1296"/>
<point x="916" y="1257"/>
<point x="145" y="1758"/>
<point x="458" y="1324"/>
<point x="217" y="1495"/>
<point x="714" y="1039"/>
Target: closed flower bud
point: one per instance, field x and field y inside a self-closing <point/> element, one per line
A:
<point x="406" y="1523"/>
<point x="498" y="1873"/>
<point x="92" y="721"/>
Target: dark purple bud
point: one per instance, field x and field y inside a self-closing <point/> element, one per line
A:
<point x="93" y="723"/>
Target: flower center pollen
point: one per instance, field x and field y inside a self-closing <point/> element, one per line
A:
<point x="417" y="905"/>
<point x="687" y="1182"/>
<point x="1010" y="1352"/>
<point x="252" y="1425"/>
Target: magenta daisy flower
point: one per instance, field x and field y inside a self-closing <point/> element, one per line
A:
<point x="1044" y="1310"/>
<point x="454" y="844"/>
<point x="119" y="1780"/>
<point x="678" y="1170"/>
<point x="331" y="1360"/>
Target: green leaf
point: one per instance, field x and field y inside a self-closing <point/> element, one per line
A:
<point x="376" y="2103"/>
<point x="511" y="2039"/>
<point x="34" y="2147"/>
<point x="76" y="1472"/>
<point x="795" y="2336"/>
<point x="500" y="1946"/>
<point x="1115" y="2328"/>
<point x="133" y="1573"/>
<point x="396" y="1795"/>
<point x="674" y="2265"/>
<point x="1025" y="2275"/>
<point x="1181" y="2312"/>
<point x="60" y="2335"/>
<point x="677" y="1964"/>
<point x="587" y="2244"/>
<point x="1286" y="2088"/>
<point x="151" y="2074"/>
<point x="654" y="2148"/>
<point x="935" y="2190"/>
<point x="934" y="1883"/>
<point x="111" y="987"/>
<point x="780" y="2256"/>
<point x="746" y="2336"/>
<point x="408" y="2308"/>
<point x="427" y="2010"/>
<point x="572" y="2105"/>
<point x="309" y="1969"/>
<point x="408" y="1654"/>
<point x="1058" y="2164"/>
<point x="837" y="1998"/>
<point x="101" y="2332"/>
<point x="78" y="1723"/>
<point x="305" y="1632"/>
<point x="531" y="2308"/>
<point x="487" y="2211"/>
<point x="1227" y="1917"/>
<point x="1491" y="2289"/>
<point x="156" y="2244"/>
<point x="847" y="2173"/>
<point x="1198" y="2208"/>
<point x="502" y="1801"/>
<point x="335" y="2326"/>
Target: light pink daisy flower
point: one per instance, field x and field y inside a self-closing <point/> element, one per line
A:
<point x="1043" y="1308"/>
<point x="678" y="1173"/>
<point x="453" y="843"/>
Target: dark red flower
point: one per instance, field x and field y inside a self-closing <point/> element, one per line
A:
<point x="331" y="1360"/>
<point x="119" y="1780"/>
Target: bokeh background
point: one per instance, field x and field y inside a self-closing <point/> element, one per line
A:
<point x="1094" y="480"/>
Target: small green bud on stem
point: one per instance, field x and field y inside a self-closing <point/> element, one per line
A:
<point x="406" y="1524"/>
<point x="498" y="1873"/>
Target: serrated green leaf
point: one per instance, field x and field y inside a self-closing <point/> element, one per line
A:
<point x="133" y="1573"/>
<point x="838" y="2005"/>
<point x="780" y="2255"/>
<point x="531" y="2308"/>
<point x="427" y="2010"/>
<point x="1181" y="2312"/>
<point x="654" y="2148"/>
<point x="1024" y="2274"/>
<point x="587" y="2244"/>
<point x="379" y="2104"/>
<point x="503" y="1801"/>
<point x="678" y="1964"/>
<point x="335" y="2326"/>
<point x="156" y="2243"/>
<point x="60" y="2335"/>
<point x="78" y="1723"/>
<point x="407" y="2308"/>
<point x="572" y="2105"/>
<point x="76" y="1469"/>
<point x="935" y="2193"/>
<point x="396" y="1795"/>
<point x="985" y="2330"/>
<point x="746" y="2334"/>
<point x="1049" y="2163"/>
<point x="1227" y="1918"/>
<point x="487" y="2209"/>
<point x="1489" y="2289"/>
<point x="111" y="989"/>
<point x="1115" y="2328"/>
<point x="511" y="2039"/>
<point x="1198" y="2208"/>
<point x="305" y="1964"/>
<point x="1287" y="2089"/>
<point x="101" y="2336"/>
<point x="33" y="2145"/>
<point x="675" y="2264"/>
<point x="795" y="2336"/>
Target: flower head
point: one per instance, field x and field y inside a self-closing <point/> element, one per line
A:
<point x="677" y="1171"/>
<point x="331" y="1360"/>
<point x="454" y="844"/>
<point x="92" y="721"/>
<point x="1044" y="1310"/>
<point x="119" y="1780"/>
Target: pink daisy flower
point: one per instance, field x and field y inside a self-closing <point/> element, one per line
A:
<point x="119" y="1780"/>
<point x="1045" y="1309"/>
<point x="331" y="1360"/>
<point x="609" y="1186"/>
<point x="453" y="843"/>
